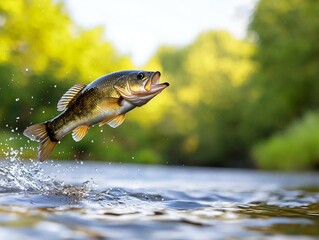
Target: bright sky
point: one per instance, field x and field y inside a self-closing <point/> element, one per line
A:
<point x="139" y="27"/>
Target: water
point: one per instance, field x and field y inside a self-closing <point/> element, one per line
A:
<point x="69" y="200"/>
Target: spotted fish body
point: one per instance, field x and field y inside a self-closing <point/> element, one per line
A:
<point x="105" y="101"/>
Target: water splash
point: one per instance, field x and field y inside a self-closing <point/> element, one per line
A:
<point x="17" y="175"/>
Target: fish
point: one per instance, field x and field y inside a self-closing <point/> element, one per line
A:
<point x="106" y="100"/>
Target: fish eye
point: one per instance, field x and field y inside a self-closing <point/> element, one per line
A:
<point x="140" y="76"/>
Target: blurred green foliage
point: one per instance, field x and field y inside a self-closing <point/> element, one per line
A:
<point x="228" y="97"/>
<point x="201" y="116"/>
<point x="296" y="148"/>
<point x="286" y="84"/>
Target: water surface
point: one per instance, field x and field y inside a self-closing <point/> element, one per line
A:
<point x="87" y="200"/>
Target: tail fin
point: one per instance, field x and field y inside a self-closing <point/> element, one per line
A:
<point x="39" y="133"/>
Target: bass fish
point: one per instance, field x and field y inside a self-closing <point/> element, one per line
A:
<point x="105" y="101"/>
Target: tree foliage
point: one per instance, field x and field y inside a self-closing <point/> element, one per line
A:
<point x="286" y="84"/>
<point x="43" y="53"/>
<point x="296" y="148"/>
<point x="227" y="98"/>
<point x="201" y="122"/>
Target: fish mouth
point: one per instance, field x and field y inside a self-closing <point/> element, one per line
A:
<point x="153" y="85"/>
<point x="150" y="88"/>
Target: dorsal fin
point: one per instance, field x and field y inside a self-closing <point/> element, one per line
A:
<point x="79" y="132"/>
<point x="71" y="94"/>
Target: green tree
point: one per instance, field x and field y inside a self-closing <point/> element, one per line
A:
<point x="202" y="117"/>
<point x="286" y="85"/>
<point x="296" y="148"/>
<point x="43" y="53"/>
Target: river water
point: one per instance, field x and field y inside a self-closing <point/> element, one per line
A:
<point x="89" y="200"/>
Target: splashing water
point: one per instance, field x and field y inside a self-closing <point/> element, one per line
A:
<point x="15" y="176"/>
<point x="51" y="201"/>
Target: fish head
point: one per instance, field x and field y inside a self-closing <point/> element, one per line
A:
<point x="139" y="87"/>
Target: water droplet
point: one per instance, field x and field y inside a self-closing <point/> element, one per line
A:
<point x="27" y="69"/>
<point x="17" y="99"/>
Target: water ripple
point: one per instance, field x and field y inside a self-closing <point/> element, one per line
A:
<point x="54" y="201"/>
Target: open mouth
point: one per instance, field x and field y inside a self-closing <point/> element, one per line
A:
<point x="139" y="97"/>
<point x="153" y="85"/>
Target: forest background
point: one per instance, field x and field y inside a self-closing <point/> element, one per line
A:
<point x="232" y="102"/>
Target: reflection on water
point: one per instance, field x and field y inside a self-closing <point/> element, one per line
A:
<point x="109" y="201"/>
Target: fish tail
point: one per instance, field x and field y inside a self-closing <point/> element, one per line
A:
<point x="39" y="132"/>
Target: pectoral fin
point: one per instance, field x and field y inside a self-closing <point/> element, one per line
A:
<point x="111" y="105"/>
<point x="116" y="121"/>
<point x="79" y="132"/>
<point x="113" y="121"/>
<point x="106" y="120"/>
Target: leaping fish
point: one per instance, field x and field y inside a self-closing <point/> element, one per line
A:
<point x="105" y="101"/>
